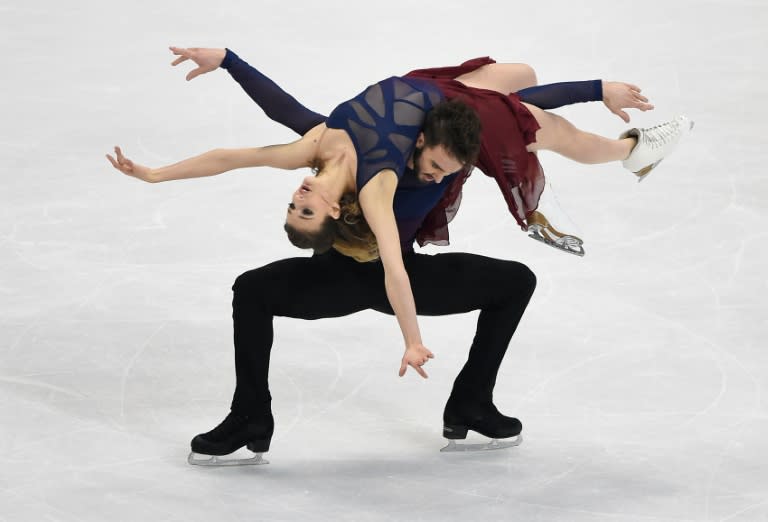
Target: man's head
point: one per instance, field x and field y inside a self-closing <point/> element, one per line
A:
<point x="450" y="140"/>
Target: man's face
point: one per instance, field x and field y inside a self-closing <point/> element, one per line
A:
<point x="432" y="164"/>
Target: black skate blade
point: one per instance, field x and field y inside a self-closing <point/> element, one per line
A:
<point x="197" y="459"/>
<point x="494" y="444"/>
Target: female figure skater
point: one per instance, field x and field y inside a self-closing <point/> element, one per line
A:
<point x="503" y="78"/>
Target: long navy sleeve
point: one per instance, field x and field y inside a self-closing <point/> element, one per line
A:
<point x="554" y="95"/>
<point x="276" y="103"/>
<point x="286" y="110"/>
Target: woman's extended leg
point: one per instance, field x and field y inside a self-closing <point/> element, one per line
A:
<point x="640" y="150"/>
<point x="559" y="135"/>
<point x="505" y="78"/>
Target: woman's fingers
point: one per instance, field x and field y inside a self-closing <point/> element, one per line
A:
<point x="113" y="161"/>
<point x="420" y="370"/>
<point x="119" y="154"/>
<point x="183" y="55"/>
<point x="121" y="163"/>
<point x="415" y="364"/>
<point x="195" y="73"/>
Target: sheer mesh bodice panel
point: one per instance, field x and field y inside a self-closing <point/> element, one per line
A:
<point x="384" y="122"/>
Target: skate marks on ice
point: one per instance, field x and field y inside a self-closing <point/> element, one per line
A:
<point x="494" y="444"/>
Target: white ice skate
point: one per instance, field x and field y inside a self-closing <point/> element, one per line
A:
<point x="654" y="144"/>
<point x="493" y="444"/>
<point x="541" y="228"/>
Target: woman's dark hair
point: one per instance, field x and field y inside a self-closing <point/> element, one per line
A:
<point x="456" y="126"/>
<point x="354" y="237"/>
<point x="320" y="240"/>
<point x="350" y="234"/>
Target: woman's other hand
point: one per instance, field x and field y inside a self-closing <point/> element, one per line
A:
<point x="130" y="168"/>
<point x="620" y="95"/>
<point x="416" y="356"/>
<point x="207" y="59"/>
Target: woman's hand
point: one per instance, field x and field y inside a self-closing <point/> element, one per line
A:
<point x="620" y="95"/>
<point x="206" y="59"/>
<point x="416" y="356"/>
<point x="130" y="168"/>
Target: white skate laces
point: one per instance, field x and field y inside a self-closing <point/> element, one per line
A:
<point x="654" y="144"/>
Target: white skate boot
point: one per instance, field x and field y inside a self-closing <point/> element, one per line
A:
<point x="654" y="144"/>
<point x="541" y="227"/>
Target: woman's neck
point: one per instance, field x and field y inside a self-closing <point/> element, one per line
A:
<point x="336" y="179"/>
<point x="339" y="169"/>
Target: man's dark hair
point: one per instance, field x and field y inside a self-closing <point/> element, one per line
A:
<point x="456" y="126"/>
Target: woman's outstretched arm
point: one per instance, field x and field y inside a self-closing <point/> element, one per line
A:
<point x="288" y="156"/>
<point x="276" y="103"/>
<point x="376" y="202"/>
<point x="615" y="95"/>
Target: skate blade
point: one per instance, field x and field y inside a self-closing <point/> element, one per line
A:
<point x="197" y="459"/>
<point x="643" y="173"/>
<point x="565" y="243"/>
<point x="494" y="444"/>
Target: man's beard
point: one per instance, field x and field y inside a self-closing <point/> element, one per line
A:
<point x="417" y="166"/>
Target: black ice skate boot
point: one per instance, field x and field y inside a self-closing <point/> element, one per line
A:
<point x="236" y="431"/>
<point x="482" y="417"/>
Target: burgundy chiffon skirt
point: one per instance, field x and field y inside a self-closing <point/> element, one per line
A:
<point x="507" y="128"/>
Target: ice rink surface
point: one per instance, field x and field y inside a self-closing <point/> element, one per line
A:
<point x="639" y="371"/>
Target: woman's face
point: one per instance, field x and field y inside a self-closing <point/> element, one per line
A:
<point x="309" y="207"/>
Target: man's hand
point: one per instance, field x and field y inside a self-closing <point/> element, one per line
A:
<point x="416" y="356"/>
<point x="128" y="167"/>
<point x="620" y="95"/>
<point x="206" y="59"/>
